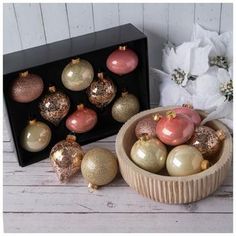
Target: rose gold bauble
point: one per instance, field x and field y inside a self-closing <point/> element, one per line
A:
<point x="174" y="129"/>
<point x="122" y="61"/>
<point x="82" y="120"/>
<point x="207" y="140"/>
<point x="101" y="92"/>
<point x="125" y="107"/>
<point x="66" y="157"/>
<point x="54" y="106"/>
<point x="147" y="126"/>
<point x="188" y="110"/>
<point x="26" y="88"/>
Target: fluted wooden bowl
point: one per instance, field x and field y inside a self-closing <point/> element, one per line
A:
<point x="169" y="189"/>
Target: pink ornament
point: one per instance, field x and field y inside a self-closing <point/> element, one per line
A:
<point x="174" y="129"/>
<point x="122" y="61"/>
<point x="82" y="120"/>
<point x="190" y="112"/>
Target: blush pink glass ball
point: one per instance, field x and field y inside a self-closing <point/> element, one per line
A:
<point x="174" y="129"/>
<point x="122" y="61"/>
<point x="192" y="114"/>
<point x="82" y="120"/>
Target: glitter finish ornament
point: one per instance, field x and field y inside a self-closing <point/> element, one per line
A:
<point x="122" y="61"/>
<point x="185" y="160"/>
<point x="36" y="136"/>
<point x="188" y="110"/>
<point x="54" y="106"/>
<point x="147" y="126"/>
<point x="99" y="167"/>
<point x="77" y="75"/>
<point x="101" y="92"/>
<point x="174" y="129"/>
<point x="26" y="88"/>
<point x="149" y="154"/>
<point x="125" y="107"/>
<point x="66" y="157"/>
<point x="82" y="120"/>
<point x="207" y="140"/>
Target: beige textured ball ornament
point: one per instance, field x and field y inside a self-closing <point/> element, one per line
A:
<point x="125" y="107"/>
<point x="99" y="167"/>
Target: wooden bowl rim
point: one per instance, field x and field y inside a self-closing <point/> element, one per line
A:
<point x="121" y="154"/>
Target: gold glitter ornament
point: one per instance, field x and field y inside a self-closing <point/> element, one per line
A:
<point x="185" y="160"/>
<point x="207" y="140"/>
<point x="77" y="75"/>
<point x="66" y="157"/>
<point x="125" y="107"/>
<point x="54" y="106"/>
<point x="99" y="167"/>
<point x="101" y="92"/>
<point x="149" y="154"/>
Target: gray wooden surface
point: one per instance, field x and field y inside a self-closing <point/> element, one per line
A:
<point x="35" y="201"/>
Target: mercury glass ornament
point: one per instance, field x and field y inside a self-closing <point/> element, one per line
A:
<point x="101" y="92"/>
<point x="125" y="107"/>
<point x="82" y="120"/>
<point x="207" y="141"/>
<point x="147" y="126"/>
<point x="174" y="129"/>
<point x="77" y="75"/>
<point x="122" y="61"/>
<point x="54" y="106"/>
<point x="66" y="157"/>
<point x="185" y="160"/>
<point x="99" y="167"/>
<point x="26" y="88"/>
<point x="149" y="154"/>
<point x="36" y="136"/>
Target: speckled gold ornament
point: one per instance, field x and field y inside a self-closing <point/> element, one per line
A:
<point x="125" y="107"/>
<point x="54" y="106"/>
<point x="149" y="154"/>
<point x="99" y="167"/>
<point x="207" y="140"/>
<point x="77" y="75"/>
<point x="26" y="88"/>
<point x="66" y="157"/>
<point x="101" y="92"/>
<point x="35" y="136"/>
<point x="185" y="160"/>
<point x="147" y="126"/>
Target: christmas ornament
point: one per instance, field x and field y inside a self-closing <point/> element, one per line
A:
<point x="99" y="167"/>
<point x="122" y="61"/>
<point x="66" y="157"/>
<point x="207" y="140"/>
<point x="185" y="160"/>
<point x="149" y="154"/>
<point x="147" y="126"/>
<point x="26" y="88"/>
<point x="101" y="92"/>
<point x="35" y="136"/>
<point x="77" y="75"/>
<point x="82" y="120"/>
<point x="125" y="107"/>
<point x="188" y="110"/>
<point x="54" y="106"/>
<point x="174" y="129"/>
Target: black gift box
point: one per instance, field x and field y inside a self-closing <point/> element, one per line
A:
<point x="49" y="60"/>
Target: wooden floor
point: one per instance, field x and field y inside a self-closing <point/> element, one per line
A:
<point x="34" y="201"/>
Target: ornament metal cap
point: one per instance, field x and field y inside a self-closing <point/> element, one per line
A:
<point x="144" y="137"/>
<point x="157" y="117"/>
<point x="188" y="105"/>
<point x="80" y="106"/>
<point x="92" y="187"/>
<point x="71" y="138"/>
<point x="170" y="115"/>
<point x="122" y="48"/>
<point x="75" y="61"/>
<point x="205" y="164"/>
<point x="220" y="134"/>
<point x="101" y="75"/>
<point x="52" y="89"/>
<point x="23" y="74"/>
<point x="31" y="122"/>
